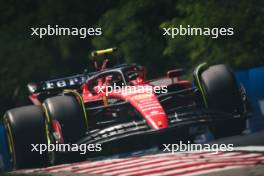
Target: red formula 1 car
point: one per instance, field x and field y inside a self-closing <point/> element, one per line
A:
<point x="120" y="110"/>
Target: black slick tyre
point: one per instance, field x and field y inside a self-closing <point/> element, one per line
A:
<point x="69" y="113"/>
<point x="25" y="126"/>
<point x="222" y="94"/>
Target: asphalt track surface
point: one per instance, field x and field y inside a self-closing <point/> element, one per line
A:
<point x="247" y="159"/>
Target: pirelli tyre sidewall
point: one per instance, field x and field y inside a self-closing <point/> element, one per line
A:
<point x="222" y="94"/>
<point x="25" y="126"/>
<point x="70" y="115"/>
<point x="221" y="89"/>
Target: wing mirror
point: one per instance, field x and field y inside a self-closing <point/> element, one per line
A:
<point x="32" y="87"/>
<point x="175" y="73"/>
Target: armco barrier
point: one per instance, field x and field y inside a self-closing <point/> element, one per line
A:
<point x="253" y="81"/>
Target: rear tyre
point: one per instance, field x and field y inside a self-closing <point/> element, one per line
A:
<point x="25" y="126"/>
<point x="222" y="94"/>
<point x="69" y="113"/>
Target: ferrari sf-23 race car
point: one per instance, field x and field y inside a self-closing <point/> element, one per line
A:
<point x="79" y="110"/>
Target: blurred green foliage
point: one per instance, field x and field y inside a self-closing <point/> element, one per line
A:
<point x="242" y="50"/>
<point x="134" y="26"/>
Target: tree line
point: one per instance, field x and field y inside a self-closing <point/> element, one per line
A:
<point x="134" y="26"/>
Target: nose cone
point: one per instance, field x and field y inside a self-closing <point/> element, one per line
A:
<point x="157" y="121"/>
<point x="160" y="124"/>
<point x="150" y="109"/>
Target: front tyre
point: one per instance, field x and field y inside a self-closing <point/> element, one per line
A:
<point x="25" y="126"/>
<point x="68" y="112"/>
<point x="222" y="93"/>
